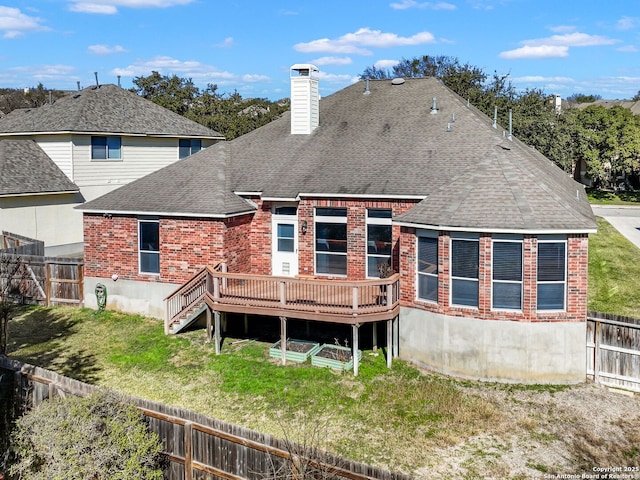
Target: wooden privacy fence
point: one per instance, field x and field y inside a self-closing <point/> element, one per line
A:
<point x="45" y="280"/>
<point x="197" y="447"/>
<point x="613" y="350"/>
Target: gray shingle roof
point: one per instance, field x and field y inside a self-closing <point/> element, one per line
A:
<point x="387" y="143"/>
<point x="26" y="169"/>
<point x="194" y="186"/>
<point x="108" y="109"/>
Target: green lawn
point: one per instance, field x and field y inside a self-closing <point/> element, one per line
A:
<point x="599" y="197"/>
<point x="614" y="271"/>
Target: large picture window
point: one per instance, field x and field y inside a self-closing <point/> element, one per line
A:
<point x="464" y="271"/>
<point x="552" y="268"/>
<point x="149" y="246"/>
<point x="507" y="275"/>
<point x="379" y="240"/>
<point x="189" y="146"/>
<point x="331" y="241"/>
<point x="106" y="148"/>
<point x="428" y="268"/>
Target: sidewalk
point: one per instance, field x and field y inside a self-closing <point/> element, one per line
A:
<point x="625" y="219"/>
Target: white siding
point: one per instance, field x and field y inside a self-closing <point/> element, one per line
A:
<point x="140" y="156"/>
<point x="59" y="149"/>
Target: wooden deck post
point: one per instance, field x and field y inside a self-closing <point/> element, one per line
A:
<point x="389" y="342"/>
<point x="396" y="337"/>
<point x="356" y="333"/>
<point x="209" y="326"/>
<point x="246" y="323"/>
<point x="216" y="331"/>
<point x="283" y="340"/>
<point x="374" y="336"/>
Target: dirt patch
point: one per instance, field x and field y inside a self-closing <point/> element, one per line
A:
<point x="548" y="434"/>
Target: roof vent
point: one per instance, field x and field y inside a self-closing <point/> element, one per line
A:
<point x="305" y="98"/>
<point x="397" y="81"/>
<point x="366" y="87"/>
<point x="434" y="106"/>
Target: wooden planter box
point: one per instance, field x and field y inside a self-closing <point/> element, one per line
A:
<point x="297" y="350"/>
<point x="335" y="357"/>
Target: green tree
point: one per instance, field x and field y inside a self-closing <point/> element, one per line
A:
<point x="99" y="437"/>
<point x="171" y="92"/>
<point x="583" y="98"/>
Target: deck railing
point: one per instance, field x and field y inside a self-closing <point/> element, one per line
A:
<point x="298" y="295"/>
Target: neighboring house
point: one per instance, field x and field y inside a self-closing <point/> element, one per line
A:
<point x="99" y="138"/>
<point x="489" y="238"/>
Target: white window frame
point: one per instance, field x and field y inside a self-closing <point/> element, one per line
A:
<point x="107" y="148"/>
<point x="551" y="239"/>
<point x="384" y="222"/>
<point x="465" y="238"/>
<point x="436" y="237"/>
<point x="520" y="241"/>
<point x="141" y="251"/>
<point x="329" y="219"/>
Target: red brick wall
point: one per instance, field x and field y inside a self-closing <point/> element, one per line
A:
<point x="186" y="246"/>
<point x="577" y="262"/>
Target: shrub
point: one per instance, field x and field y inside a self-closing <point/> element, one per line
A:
<point x="96" y="437"/>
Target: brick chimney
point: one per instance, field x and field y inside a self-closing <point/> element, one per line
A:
<point x="305" y="99"/>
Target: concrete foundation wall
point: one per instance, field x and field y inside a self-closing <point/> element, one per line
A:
<point x="144" y="298"/>
<point x="494" y="350"/>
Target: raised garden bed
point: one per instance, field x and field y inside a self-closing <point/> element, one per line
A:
<point x="335" y="357"/>
<point x="297" y="350"/>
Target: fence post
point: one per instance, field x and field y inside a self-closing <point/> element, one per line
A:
<point x="597" y="341"/>
<point x="188" y="451"/>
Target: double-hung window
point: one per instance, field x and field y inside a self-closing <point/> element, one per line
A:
<point x="379" y="240"/>
<point x="188" y="146"/>
<point x="507" y="274"/>
<point x="465" y="258"/>
<point x="331" y="241"/>
<point x="106" y="148"/>
<point x="149" y="245"/>
<point x="552" y="274"/>
<point x="428" y="267"/>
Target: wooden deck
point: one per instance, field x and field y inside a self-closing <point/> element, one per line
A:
<point x="326" y="300"/>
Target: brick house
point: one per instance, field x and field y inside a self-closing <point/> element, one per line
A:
<point x="489" y="239"/>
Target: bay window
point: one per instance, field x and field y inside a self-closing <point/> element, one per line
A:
<point x="507" y="274"/>
<point x="465" y="254"/>
<point x="379" y="240"/>
<point x="428" y="268"/>
<point x="552" y="268"/>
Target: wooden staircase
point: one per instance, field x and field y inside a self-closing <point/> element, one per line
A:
<point x="187" y="317"/>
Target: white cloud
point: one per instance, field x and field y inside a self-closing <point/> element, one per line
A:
<point x="105" y="49"/>
<point x="356" y="43"/>
<point x="542" y="51"/>
<point x="332" y="61"/>
<point x="14" y="23"/>
<point x="542" y="79"/>
<point x="110" y="7"/>
<point x="335" y="78"/>
<point x="628" y="48"/>
<point x="556" y="46"/>
<point x="386" y="63"/>
<point x="45" y="74"/>
<point x="628" y="23"/>
<point x="226" y="43"/>
<point x="575" y="39"/>
<point x="405" y="4"/>
<point x="200" y="73"/>
<point x="563" y="28"/>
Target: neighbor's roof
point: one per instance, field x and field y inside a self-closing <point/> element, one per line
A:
<point x="26" y="170"/>
<point x="103" y="109"/>
<point x="632" y="105"/>
<point x="387" y="143"/>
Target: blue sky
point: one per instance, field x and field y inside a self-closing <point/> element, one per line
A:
<point x="563" y="47"/>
